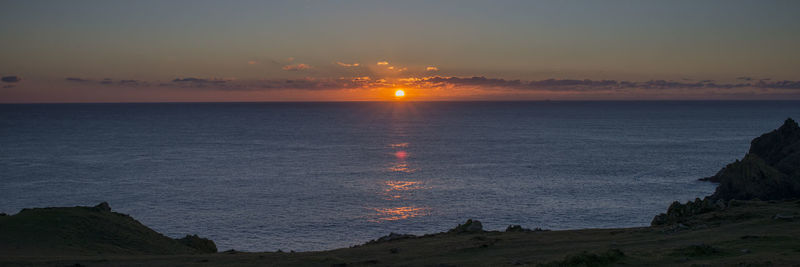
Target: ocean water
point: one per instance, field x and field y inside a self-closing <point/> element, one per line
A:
<point x="312" y="176"/>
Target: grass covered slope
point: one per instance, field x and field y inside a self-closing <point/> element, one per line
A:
<point x="87" y="231"/>
<point x="747" y="233"/>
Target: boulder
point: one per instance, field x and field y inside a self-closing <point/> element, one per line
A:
<point x="103" y="206"/>
<point x="470" y="226"/>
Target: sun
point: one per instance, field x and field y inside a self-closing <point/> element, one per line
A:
<point x="399" y="93"/>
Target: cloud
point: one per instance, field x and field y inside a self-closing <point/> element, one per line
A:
<point x="317" y="84"/>
<point x="778" y="84"/>
<point x="75" y="79"/>
<point x="473" y="81"/>
<point x="11" y="79"/>
<point x="447" y="83"/>
<point x="129" y="82"/>
<point x="310" y="84"/>
<point x="296" y="67"/>
<point x="431" y="68"/>
<point x="199" y="80"/>
<point x="586" y="84"/>
<point x="347" y="65"/>
<point x="744" y="78"/>
<point x="252" y="62"/>
<point x="382" y="63"/>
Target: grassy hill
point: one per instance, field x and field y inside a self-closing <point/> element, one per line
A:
<point x="85" y="231"/>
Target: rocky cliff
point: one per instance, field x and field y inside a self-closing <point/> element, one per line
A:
<point x="769" y="171"/>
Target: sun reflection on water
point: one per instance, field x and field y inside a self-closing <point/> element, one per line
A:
<point x="399" y="213"/>
<point x="401" y="155"/>
<point x="398" y="145"/>
<point x="399" y="191"/>
<point x="401" y="167"/>
<point x="403" y="185"/>
<point x="395" y="190"/>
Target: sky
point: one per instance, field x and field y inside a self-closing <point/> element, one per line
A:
<point x="207" y="51"/>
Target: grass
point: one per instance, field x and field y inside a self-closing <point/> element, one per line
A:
<point x="81" y="231"/>
<point x="744" y="234"/>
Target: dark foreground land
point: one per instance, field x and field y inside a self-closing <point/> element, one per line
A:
<point x="753" y="219"/>
<point x="747" y="233"/>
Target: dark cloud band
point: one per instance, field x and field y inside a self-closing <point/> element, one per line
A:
<point x="11" y="79"/>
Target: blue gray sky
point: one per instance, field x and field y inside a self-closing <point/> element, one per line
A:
<point x="143" y="51"/>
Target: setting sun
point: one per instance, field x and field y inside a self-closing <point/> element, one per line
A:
<point x="399" y="93"/>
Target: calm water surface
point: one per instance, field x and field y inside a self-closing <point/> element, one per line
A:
<point x="311" y="176"/>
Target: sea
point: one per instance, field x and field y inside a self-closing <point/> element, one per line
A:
<point x="317" y="176"/>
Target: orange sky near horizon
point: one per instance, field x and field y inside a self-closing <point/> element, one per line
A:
<point x="208" y="51"/>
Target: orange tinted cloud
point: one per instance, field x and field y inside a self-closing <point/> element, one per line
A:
<point x="296" y="67"/>
<point x="431" y="68"/>
<point x="382" y="63"/>
<point x="346" y="64"/>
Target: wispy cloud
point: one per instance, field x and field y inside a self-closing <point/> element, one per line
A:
<point x="587" y="84"/>
<point x="11" y="79"/>
<point x="199" y="80"/>
<point x="778" y="84"/>
<point x="130" y="82"/>
<point x="449" y="83"/>
<point x="75" y="79"/>
<point x="296" y="67"/>
<point x="431" y="68"/>
<point x="346" y="64"/>
<point x="383" y="63"/>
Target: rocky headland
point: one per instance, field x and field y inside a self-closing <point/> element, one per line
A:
<point x="769" y="171"/>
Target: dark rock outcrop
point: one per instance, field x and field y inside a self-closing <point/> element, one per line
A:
<point x="471" y="226"/>
<point x="753" y="178"/>
<point x="677" y="212"/>
<point x="103" y="206"/>
<point x="780" y="148"/>
<point x="769" y="171"/>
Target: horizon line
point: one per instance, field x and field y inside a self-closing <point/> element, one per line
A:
<point x="410" y="101"/>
